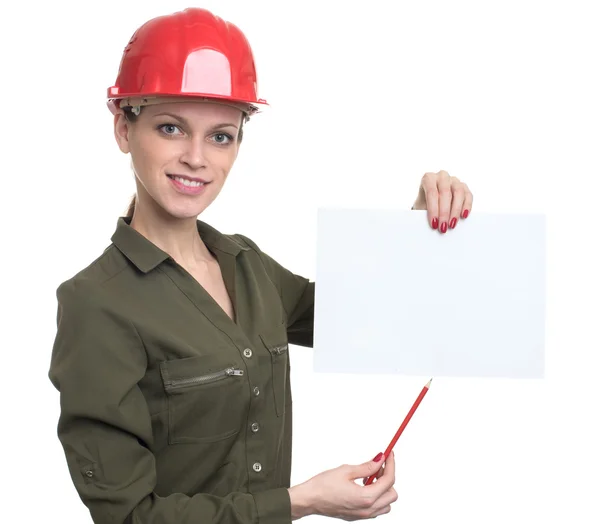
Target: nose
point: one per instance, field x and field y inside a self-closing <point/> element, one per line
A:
<point x="194" y="154"/>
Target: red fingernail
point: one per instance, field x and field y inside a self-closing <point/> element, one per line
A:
<point x="444" y="227"/>
<point x="453" y="223"/>
<point x="379" y="455"/>
<point x="465" y="213"/>
<point x="434" y="223"/>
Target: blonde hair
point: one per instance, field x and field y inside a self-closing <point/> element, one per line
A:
<point x="131" y="207"/>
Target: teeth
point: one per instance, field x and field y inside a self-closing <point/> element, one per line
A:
<point x="189" y="183"/>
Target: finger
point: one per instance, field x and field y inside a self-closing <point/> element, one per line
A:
<point x="379" y="473"/>
<point x="458" y="200"/>
<point x="389" y="471"/>
<point x="468" y="203"/>
<point x="387" y="479"/>
<point x="367" y="468"/>
<point x="390" y="466"/>
<point x="445" y="199"/>
<point x="382" y="511"/>
<point x="386" y="500"/>
<point x="378" y="506"/>
<point x="428" y="183"/>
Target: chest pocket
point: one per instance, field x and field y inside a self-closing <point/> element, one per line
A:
<point x="207" y="398"/>
<point x="278" y="348"/>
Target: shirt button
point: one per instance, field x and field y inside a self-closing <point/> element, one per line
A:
<point x="247" y="352"/>
<point x="256" y="391"/>
<point x="257" y="466"/>
<point x="255" y="427"/>
<point x="89" y="474"/>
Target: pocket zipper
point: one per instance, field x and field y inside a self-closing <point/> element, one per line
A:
<point x="203" y="379"/>
<point x="278" y="350"/>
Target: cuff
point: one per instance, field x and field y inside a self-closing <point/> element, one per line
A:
<point x="273" y="506"/>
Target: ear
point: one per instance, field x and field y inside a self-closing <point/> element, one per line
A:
<point x="122" y="131"/>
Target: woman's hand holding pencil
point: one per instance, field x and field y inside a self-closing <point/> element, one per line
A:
<point x="335" y="493"/>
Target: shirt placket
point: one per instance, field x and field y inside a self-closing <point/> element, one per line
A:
<point x="256" y="445"/>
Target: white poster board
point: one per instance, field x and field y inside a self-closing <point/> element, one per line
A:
<point x="395" y="296"/>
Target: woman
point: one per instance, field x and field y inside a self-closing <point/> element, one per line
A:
<point x="171" y="350"/>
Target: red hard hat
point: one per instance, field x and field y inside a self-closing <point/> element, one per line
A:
<point x="190" y="53"/>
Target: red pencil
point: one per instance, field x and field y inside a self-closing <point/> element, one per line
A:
<point x="401" y="428"/>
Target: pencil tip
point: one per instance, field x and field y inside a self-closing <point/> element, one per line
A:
<point x="429" y="383"/>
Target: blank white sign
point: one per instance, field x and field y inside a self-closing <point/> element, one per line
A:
<point x="395" y="296"/>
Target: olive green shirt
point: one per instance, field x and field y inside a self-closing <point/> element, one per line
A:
<point x="172" y="412"/>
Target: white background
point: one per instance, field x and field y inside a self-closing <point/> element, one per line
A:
<point x="365" y="98"/>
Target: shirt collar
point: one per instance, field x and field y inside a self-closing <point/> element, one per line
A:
<point x="146" y="256"/>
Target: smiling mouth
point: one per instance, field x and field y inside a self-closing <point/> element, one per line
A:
<point x="189" y="182"/>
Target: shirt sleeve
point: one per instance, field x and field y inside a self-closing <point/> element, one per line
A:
<point x="297" y="295"/>
<point x="104" y="426"/>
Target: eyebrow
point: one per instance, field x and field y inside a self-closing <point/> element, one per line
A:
<point x="184" y="121"/>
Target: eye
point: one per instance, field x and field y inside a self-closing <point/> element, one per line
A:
<point x="222" y="138"/>
<point x="168" y="129"/>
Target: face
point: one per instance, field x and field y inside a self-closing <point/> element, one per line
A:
<point x="181" y="153"/>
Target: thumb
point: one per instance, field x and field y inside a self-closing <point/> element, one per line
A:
<point x="368" y="468"/>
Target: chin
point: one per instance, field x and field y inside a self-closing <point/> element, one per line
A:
<point x="185" y="212"/>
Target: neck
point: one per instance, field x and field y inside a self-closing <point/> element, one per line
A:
<point x="177" y="237"/>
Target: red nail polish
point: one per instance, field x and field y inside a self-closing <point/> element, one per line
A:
<point x="444" y="227"/>
<point x="465" y="213"/>
<point x="379" y="455"/>
<point x="453" y="223"/>
<point x="434" y="223"/>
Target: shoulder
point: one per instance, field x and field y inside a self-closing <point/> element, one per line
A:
<point x="253" y="256"/>
<point x="251" y="248"/>
<point x="229" y="242"/>
<point x="88" y="286"/>
<point x="244" y="242"/>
